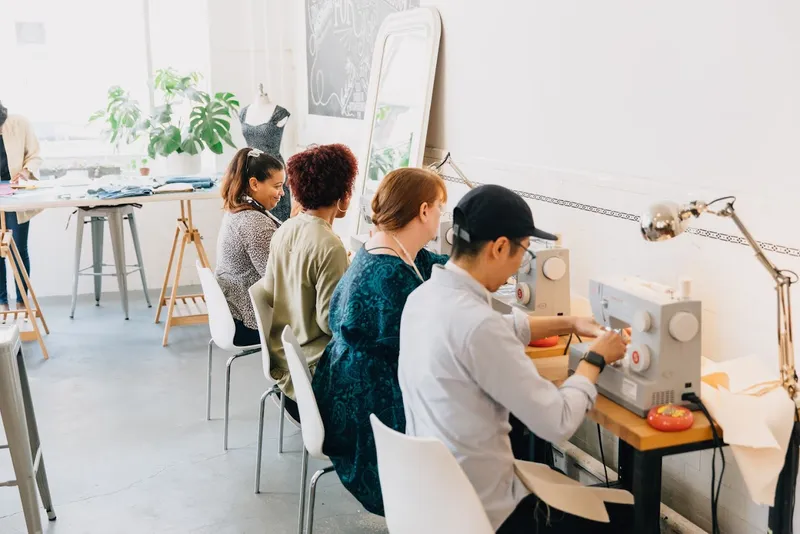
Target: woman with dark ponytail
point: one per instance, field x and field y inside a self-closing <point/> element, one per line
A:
<point x="252" y="185"/>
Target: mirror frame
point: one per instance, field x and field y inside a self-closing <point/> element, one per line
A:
<point x="429" y="19"/>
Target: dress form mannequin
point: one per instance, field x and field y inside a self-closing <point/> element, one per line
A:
<point x="261" y="110"/>
<point x="262" y="126"/>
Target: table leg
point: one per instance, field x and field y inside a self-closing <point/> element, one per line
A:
<point x="24" y="274"/>
<point x="166" y="276"/>
<point x="176" y="281"/>
<point x="640" y="473"/>
<point x="187" y="234"/>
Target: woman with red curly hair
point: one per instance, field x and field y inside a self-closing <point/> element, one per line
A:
<point x="307" y="258"/>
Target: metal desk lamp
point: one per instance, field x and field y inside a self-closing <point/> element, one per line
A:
<point x="665" y="220"/>
<point x="437" y="167"/>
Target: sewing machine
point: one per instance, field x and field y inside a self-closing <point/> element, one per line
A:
<point x="365" y="214"/>
<point x="662" y="362"/>
<point x="543" y="283"/>
<point x="443" y="242"/>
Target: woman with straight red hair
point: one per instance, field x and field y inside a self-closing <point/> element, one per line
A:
<point x="357" y="374"/>
<point x="307" y="258"/>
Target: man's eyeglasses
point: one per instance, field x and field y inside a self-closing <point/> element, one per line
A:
<point x="527" y="260"/>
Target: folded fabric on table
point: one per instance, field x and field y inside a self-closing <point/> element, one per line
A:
<point x="112" y="192"/>
<point x="198" y="183"/>
<point x="174" y="188"/>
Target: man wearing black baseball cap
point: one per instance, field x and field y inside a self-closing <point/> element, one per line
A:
<point x="463" y="368"/>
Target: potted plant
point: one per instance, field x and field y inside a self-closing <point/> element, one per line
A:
<point x="144" y="170"/>
<point x="188" y="122"/>
<point x="124" y="123"/>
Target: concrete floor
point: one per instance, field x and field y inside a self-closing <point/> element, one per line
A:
<point x="127" y="446"/>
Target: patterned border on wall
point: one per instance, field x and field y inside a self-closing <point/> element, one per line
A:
<point x="769" y="247"/>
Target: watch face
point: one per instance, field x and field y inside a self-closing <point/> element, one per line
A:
<point x="596" y="360"/>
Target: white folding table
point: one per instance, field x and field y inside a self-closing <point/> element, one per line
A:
<point x="181" y="309"/>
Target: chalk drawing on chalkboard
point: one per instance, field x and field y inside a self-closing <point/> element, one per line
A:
<point x="340" y="36"/>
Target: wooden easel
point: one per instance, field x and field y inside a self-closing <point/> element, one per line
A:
<point x="8" y="249"/>
<point x="190" y="311"/>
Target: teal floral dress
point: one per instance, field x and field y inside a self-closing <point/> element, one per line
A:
<point x="357" y="374"/>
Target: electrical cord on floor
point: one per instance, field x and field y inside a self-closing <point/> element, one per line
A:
<point x="716" y="486"/>
<point x="602" y="454"/>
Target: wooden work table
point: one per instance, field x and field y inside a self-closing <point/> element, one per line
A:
<point x="641" y="447"/>
<point x="625" y="424"/>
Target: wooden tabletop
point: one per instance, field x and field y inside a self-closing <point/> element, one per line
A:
<point x="623" y="423"/>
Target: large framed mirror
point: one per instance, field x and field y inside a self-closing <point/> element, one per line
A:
<point x="398" y="102"/>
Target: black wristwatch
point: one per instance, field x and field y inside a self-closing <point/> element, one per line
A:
<point x="595" y="359"/>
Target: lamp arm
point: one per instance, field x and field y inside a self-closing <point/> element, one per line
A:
<point x="437" y="167"/>
<point x="461" y="175"/>
<point x="776" y="273"/>
<point x="783" y="285"/>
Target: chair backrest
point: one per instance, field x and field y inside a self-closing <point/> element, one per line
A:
<point x="263" y="312"/>
<point x="220" y="320"/>
<point x="424" y="488"/>
<point x="310" y="421"/>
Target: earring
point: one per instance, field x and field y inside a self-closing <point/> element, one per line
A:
<point x="338" y="208"/>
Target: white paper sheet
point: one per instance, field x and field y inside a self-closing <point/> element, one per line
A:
<point x="757" y="428"/>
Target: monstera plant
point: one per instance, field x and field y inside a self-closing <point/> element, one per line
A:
<point x="187" y="120"/>
<point x="122" y="116"/>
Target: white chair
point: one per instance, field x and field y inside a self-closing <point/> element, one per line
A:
<point x="16" y="410"/>
<point x="263" y="312"/>
<point x="311" y="426"/>
<point x="220" y="322"/>
<point x="423" y="487"/>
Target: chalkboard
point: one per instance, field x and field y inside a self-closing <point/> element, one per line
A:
<point x="340" y="36"/>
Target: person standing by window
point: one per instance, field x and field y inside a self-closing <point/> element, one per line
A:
<point x="19" y="160"/>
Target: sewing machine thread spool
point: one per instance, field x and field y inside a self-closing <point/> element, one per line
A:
<point x="685" y="287"/>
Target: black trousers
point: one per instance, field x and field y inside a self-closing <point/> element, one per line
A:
<point x="532" y="516"/>
<point x="522" y="444"/>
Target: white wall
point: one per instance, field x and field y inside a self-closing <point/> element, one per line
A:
<point x="615" y="104"/>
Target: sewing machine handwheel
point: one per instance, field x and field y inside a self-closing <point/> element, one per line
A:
<point x="670" y="418"/>
<point x="554" y="269"/>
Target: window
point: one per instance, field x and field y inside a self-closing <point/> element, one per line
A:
<point x="60" y="57"/>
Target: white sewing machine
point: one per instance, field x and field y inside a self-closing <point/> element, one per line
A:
<point x="543" y="283"/>
<point x="443" y="242"/>
<point x="365" y="214"/>
<point x="663" y="359"/>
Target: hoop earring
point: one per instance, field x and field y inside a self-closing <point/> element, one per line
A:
<point x="338" y="208"/>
